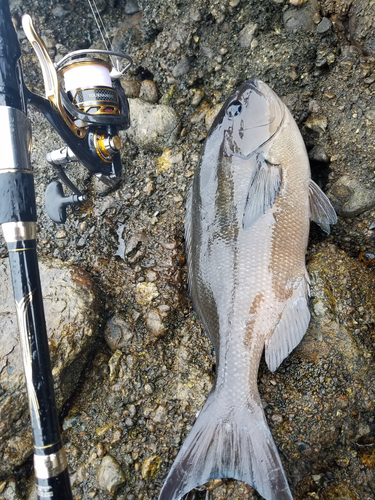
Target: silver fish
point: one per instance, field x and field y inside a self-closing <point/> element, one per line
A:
<point x="247" y="226"/>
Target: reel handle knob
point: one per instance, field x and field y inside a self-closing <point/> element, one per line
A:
<point x="56" y="203"/>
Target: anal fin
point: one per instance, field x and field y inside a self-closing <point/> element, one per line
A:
<point x="291" y="327"/>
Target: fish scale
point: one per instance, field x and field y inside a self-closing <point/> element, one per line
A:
<point x="247" y="224"/>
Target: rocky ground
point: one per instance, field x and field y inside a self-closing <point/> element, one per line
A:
<point x="132" y="364"/>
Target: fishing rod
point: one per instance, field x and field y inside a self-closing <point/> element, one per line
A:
<point x="87" y="106"/>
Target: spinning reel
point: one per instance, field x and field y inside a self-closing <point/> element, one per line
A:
<point x="87" y="111"/>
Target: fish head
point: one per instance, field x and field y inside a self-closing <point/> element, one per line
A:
<point x="250" y="118"/>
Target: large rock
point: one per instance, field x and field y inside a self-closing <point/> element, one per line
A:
<point x="70" y="303"/>
<point x="154" y="127"/>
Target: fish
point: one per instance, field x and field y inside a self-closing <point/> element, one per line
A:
<point x="246" y="231"/>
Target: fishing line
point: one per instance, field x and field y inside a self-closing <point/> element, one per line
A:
<point x="103" y="32"/>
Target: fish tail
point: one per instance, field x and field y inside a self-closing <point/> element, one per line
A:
<point x="228" y="442"/>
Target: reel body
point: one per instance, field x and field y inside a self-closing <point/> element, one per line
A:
<point x="87" y="106"/>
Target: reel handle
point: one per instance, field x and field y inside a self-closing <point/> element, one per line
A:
<point x="56" y="202"/>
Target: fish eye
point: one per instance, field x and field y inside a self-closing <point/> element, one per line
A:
<point x="234" y="109"/>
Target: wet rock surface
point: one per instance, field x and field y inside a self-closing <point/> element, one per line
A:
<point x="153" y="366"/>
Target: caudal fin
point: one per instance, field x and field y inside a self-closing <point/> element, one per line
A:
<point x="232" y="442"/>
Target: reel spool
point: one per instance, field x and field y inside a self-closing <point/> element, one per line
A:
<point x="89" y="86"/>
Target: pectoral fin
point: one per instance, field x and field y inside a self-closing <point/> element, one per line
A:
<point x="321" y="210"/>
<point x="263" y="190"/>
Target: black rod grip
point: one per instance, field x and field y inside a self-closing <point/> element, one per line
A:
<point x="10" y="53"/>
<point x="51" y="470"/>
<point x="17" y="197"/>
<point x="17" y="193"/>
<point x="34" y="340"/>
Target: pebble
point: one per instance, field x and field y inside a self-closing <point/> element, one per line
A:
<point x="59" y="12"/>
<point x="154" y="323"/>
<point x="321" y="61"/>
<point x="50" y="43"/>
<point x="148" y="91"/>
<point x="145" y="293"/>
<point x="81" y="242"/>
<point x="350" y="197"/>
<point x="118" y="333"/>
<point x="314" y="106"/>
<point x="114" y="365"/>
<point x="370" y="114"/>
<point x="150" y="467"/>
<point x="201" y="112"/>
<point x="151" y="275"/>
<point x="131" y="88"/>
<point x="247" y="34"/>
<point x="207" y="51"/>
<point x="149" y="188"/>
<point x="303" y="447"/>
<point x="101" y="431"/>
<point x="149" y="389"/>
<point x="177" y="158"/>
<point x="153" y="127"/>
<point x="131" y="7"/>
<point x="160" y="414"/>
<point x="61" y="234"/>
<point x="116" y="436"/>
<point x="220" y="18"/>
<point x="317" y="123"/>
<point x="181" y="68"/>
<point x="164" y="161"/>
<point x="110" y="475"/>
<point x="100" y="450"/>
<point x="132" y="410"/>
<point x="197" y="98"/>
<point x="164" y="310"/>
<point x="195" y="15"/>
<point x="134" y="243"/>
<point x="318" y="153"/>
<point x="324" y="25"/>
<point x="301" y="19"/>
